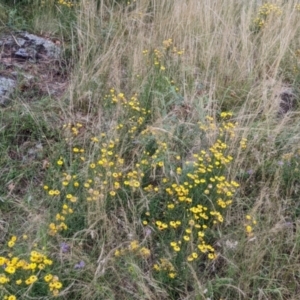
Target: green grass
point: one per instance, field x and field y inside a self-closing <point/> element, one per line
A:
<point x="97" y="179"/>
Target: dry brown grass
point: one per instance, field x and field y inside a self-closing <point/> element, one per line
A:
<point x="226" y="65"/>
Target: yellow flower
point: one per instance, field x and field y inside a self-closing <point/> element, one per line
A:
<point x="160" y="164"/>
<point x="48" y="277"/>
<point x="10" y="269"/>
<point x="3" y="279"/>
<point x="10" y="244"/>
<point x="173" y="224"/>
<point x="60" y="162"/>
<point x="248" y="229"/>
<point x="32" y="266"/>
<point x="48" y="261"/>
<point x="170" y="206"/>
<point x="145" y="252"/>
<point x="21" y="263"/>
<point x="13" y="261"/>
<point x="13" y="238"/>
<point x="186" y="238"/>
<point x="176" y="248"/>
<point x="73" y="199"/>
<point x="134" y="245"/>
<point x="211" y="256"/>
<point x="51" y="192"/>
<point x="3" y="260"/>
<point x="200" y="234"/>
<point x="11" y="297"/>
<point x="32" y="279"/>
<point x="191" y="222"/>
<point x="57" y="285"/>
<point x="136" y="184"/>
<point x="68" y="177"/>
<point x="190" y="258"/>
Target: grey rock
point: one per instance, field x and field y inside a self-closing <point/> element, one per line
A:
<point x="22" y="53"/>
<point x="29" y="61"/>
<point x="53" y="51"/>
<point x="7" y="86"/>
<point x="21" y="42"/>
<point x="288" y="101"/>
<point x="37" y="40"/>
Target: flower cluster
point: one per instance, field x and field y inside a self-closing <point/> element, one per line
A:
<point x="19" y="273"/>
<point x="266" y="11"/>
<point x="69" y="184"/>
<point x="185" y="193"/>
<point x="159" y="54"/>
<point x="60" y="218"/>
<point x="194" y="199"/>
<point x="165" y="266"/>
<point x="12" y="241"/>
<point x="134" y="248"/>
<point x="66" y="3"/>
<point x="243" y="143"/>
<point x="186" y="196"/>
<point x="249" y="222"/>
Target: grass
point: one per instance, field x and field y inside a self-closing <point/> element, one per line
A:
<point x="166" y="169"/>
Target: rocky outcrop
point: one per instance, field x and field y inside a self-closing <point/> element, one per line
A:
<point x="27" y="60"/>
